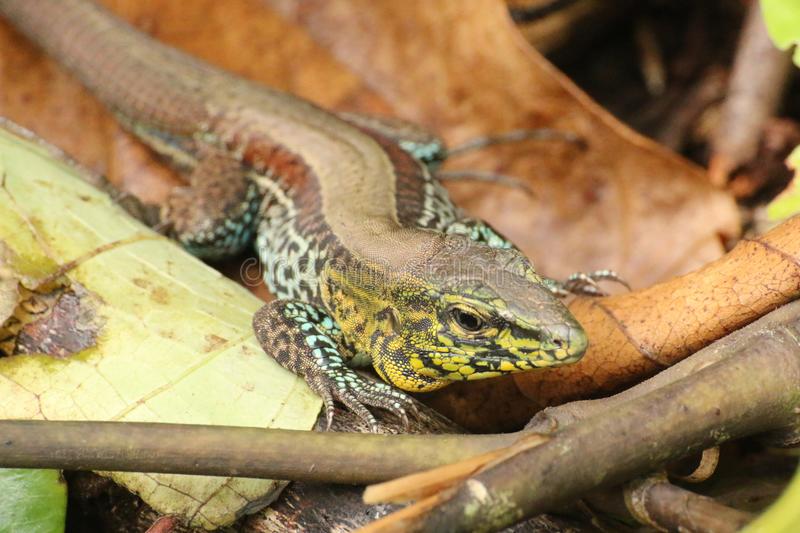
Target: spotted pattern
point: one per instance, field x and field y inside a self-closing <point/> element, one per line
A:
<point x="290" y="259"/>
<point x="415" y="346"/>
<point x="430" y="152"/>
<point x="293" y="255"/>
<point x="422" y="201"/>
<point x="478" y="231"/>
<point x="438" y="212"/>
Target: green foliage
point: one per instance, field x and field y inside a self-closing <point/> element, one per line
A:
<point x="34" y="501"/>
<point x="783" y="516"/>
<point x="783" y="23"/>
<point x="787" y="204"/>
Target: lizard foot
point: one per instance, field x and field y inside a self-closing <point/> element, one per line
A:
<point x="304" y="339"/>
<point x="585" y="283"/>
<point x="357" y="393"/>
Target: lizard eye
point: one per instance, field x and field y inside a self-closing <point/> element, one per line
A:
<point x="467" y="320"/>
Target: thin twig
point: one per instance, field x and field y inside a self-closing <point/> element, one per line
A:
<point x="486" y="177"/>
<point x="231" y="451"/>
<point x="651" y="58"/>
<point x="655" y="502"/>
<point x="540" y="134"/>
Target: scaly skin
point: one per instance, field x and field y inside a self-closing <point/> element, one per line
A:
<point x="370" y="261"/>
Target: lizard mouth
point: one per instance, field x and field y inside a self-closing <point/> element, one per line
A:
<point x="482" y="365"/>
<point x="491" y="357"/>
<point x="486" y="352"/>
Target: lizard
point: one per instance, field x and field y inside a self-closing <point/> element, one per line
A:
<point x="370" y="261"/>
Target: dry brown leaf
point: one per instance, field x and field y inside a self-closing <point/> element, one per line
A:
<point x="637" y="334"/>
<point x="463" y="70"/>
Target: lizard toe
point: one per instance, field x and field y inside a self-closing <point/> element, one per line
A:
<point x="351" y="400"/>
<point x="317" y="384"/>
<point x="378" y="394"/>
<point x="586" y="283"/>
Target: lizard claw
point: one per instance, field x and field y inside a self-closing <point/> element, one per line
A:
<point x="585" y="283"/>
<point x="357" y="393"/>
<point x="317" y="384"/>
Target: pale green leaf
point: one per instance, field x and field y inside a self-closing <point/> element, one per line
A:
<point x="33" y="501"/>
<point x="175" y="342"/>
<point x="783" y="23"/>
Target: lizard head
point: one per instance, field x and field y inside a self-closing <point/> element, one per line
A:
<point x="468" y="312"/>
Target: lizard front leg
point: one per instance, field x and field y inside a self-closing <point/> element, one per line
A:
<point x="584" y="283"/>
<point x="307" y="341"/>
<point x="579" y="283"/>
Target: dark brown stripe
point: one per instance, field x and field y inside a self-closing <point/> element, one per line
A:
<point x="767" y="246"/>
<point x="409" y="180"/>
<point x="644" y="353"/>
